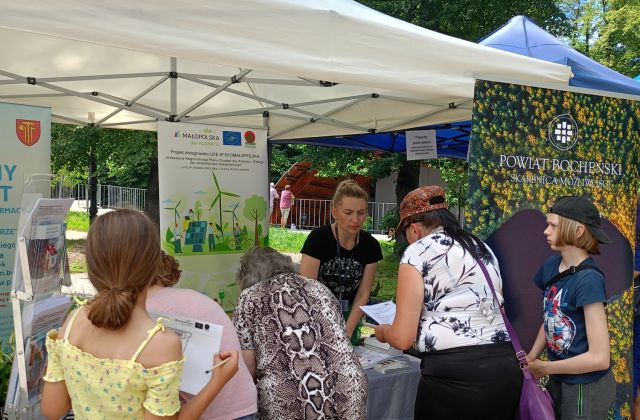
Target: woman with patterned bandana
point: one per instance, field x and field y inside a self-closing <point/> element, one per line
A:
<point x="294" y="342"/>
<point x="446" y="309"/>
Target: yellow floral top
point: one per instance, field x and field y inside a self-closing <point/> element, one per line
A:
<point x="109" y="388"/>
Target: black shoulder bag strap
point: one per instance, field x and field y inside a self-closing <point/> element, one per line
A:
<point x="569" y="271"/>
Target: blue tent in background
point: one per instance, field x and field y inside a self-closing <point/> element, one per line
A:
<point x="520" y="36"/>
<point x="452" y="139"/>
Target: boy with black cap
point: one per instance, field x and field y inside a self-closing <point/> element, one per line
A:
<point x="574" y="327"/>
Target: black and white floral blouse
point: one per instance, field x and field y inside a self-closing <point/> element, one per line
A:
<point x="458" y="307"/>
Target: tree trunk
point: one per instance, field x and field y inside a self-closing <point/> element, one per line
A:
<point x="408" y="179"/>
<point x="93" y="182"/>
<point x="152" y="199"/>
<point x="256" y="239"/>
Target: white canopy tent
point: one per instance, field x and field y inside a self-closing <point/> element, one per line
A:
<point x="302" y="68"/>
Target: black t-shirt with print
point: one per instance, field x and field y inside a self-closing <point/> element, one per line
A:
<point x="341" y="269"/>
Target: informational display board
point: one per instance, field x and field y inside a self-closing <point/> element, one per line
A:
<point x="421" y="145"/>
<point x="214" y="193"/>
<point x="531" y="146"/>
<point x="25" y="145"/>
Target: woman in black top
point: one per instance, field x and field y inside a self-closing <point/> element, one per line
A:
<point x="341" y="255"/>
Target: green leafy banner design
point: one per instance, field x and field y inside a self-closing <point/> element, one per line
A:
<point x="530" y="146"/>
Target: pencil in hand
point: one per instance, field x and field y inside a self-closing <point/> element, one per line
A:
<point x="217" y="365"/>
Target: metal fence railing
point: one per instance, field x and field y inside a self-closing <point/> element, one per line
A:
<point x="305" y="213"/>
<point x="109" y="196"/>
<point x="309" y="214"/>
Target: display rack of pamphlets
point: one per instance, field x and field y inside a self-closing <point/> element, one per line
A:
<point x="40" y="269"/>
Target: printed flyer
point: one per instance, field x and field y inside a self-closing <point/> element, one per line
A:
<point x="214" y="193"/>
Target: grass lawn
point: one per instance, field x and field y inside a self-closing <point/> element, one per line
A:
<point x="286" y="240"/>
<point x="386" y="275"/>
<point x="75" y="250"/>
<point x="78" y="221"/>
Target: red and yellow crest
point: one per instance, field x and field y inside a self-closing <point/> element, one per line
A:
<point x="28" y="131"/>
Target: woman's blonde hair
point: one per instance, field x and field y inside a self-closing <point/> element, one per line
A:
<point x="568" y="235"/>
<point x="123" y="257"/>
<point x="349" y="188"/>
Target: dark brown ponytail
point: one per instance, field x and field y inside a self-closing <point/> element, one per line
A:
<point x="123" y="256"/>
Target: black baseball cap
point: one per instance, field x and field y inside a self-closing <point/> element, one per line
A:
<point x="582" y="210"/>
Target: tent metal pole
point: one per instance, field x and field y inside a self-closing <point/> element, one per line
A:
<point x="118" y="124"/>
<point x="340" y="99"/>
<point x="90" y="97"/>
<point x="416" y="101"/>
<point x="234" y="79"/>
<point x="71" y="120"/>
<point x="233" y="114"/>
<point x="147" y="90"/>
<point x="99" y="123"/>
<point x="123" y="101"/>
<point x="252" y="80"/>
<point x="34" y="95"/>
<point x="236" y="92"/>
<point x="327" y="121"/>
<point x="135" y="99"/>
<point x="423" y="115"/>
<point x="358" y="98"/>
<point x="173" y="87"/>
<point x="95" y="77"/>
<point x="340" y="108"/>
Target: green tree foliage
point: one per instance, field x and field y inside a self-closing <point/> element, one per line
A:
<point x="124" y="157"/>
<point x="585" y="20"/>
<point x="470" y="19"/>
<point x="282" y="157"/>
<point x="618" y="43"/>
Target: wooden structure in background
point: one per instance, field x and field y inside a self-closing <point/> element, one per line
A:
<point x="305" y="185"/>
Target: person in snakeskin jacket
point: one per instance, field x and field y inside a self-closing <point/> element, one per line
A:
<point x="294" y="342"/>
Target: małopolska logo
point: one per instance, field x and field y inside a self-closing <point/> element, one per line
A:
<point x="28" y="131"/>
<point x="231" y="138"/>
<point x="563" y="132"/>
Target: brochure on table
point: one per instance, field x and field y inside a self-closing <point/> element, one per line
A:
<point x="200" y="342"/>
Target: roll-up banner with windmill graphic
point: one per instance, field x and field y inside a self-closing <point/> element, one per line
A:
<point x="213" y="202"/>
<point x="529" y="147"/>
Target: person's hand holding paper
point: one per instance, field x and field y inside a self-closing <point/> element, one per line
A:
<point x="382" y="313"/>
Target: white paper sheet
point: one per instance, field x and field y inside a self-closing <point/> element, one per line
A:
<point x="200" y="342"/>
<point x="382" y="313"/>
<point x="368" y="358"/>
